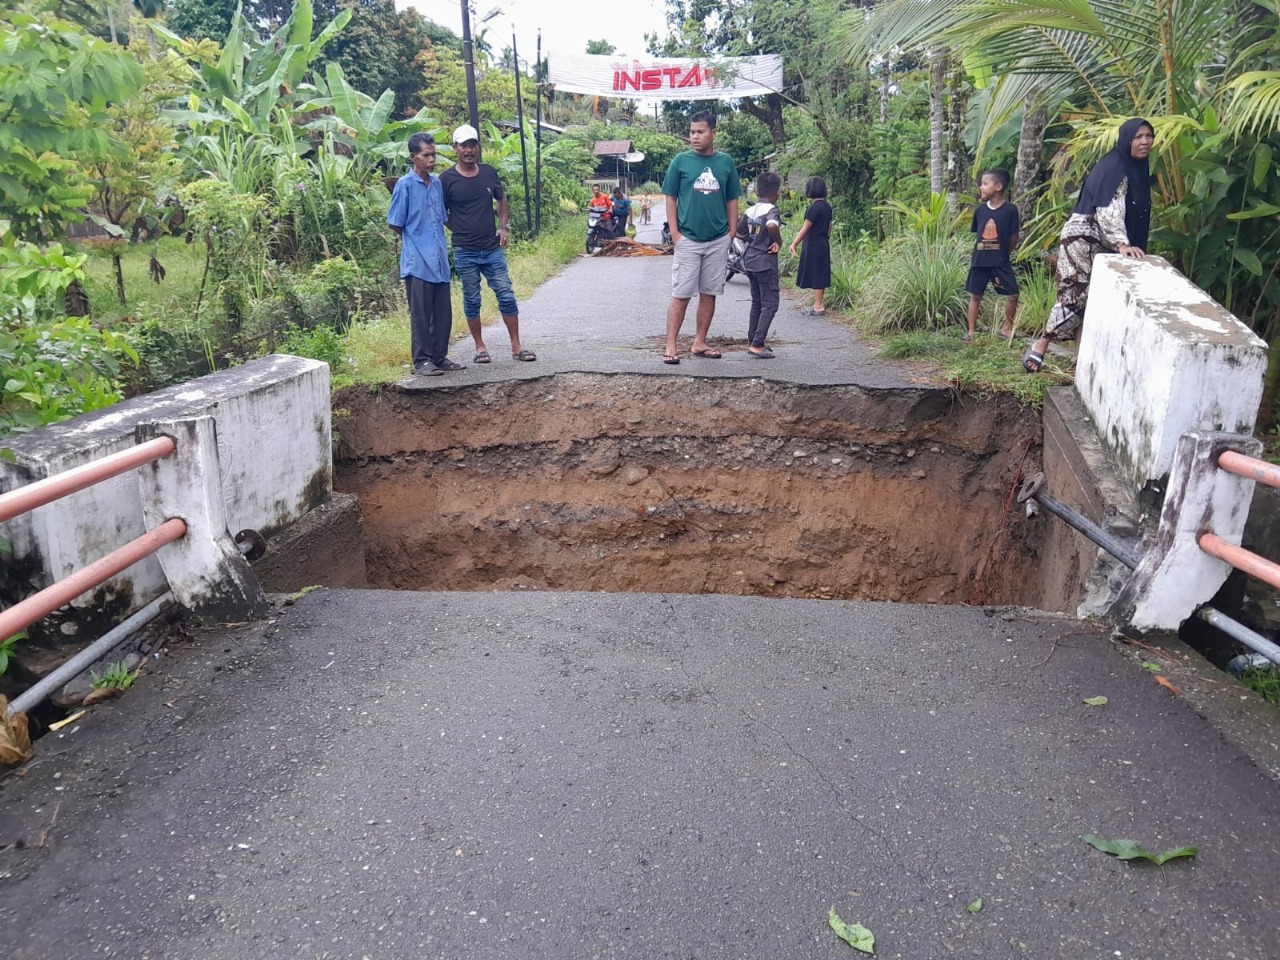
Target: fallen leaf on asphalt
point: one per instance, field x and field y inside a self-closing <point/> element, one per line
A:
<point x="1095" y="701"/>
<point x="1148" y="665"/>
<point x="975" y="906"/>
<point x="102" y="693"/>
<point x="1132" y="850"/>
<point x="1167" y="684"/>
<point x="854" y="934"/>
<point x="67" y="720"/>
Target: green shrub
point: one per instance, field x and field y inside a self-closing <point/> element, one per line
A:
<point x="322" y="217"/>
<point x="916" y="282"/>
<point x="167" y="354"/>
<point x="1264" y="681"/>
<point x="55" y="370"/>
<point x="1037" y="293"/>
<point x="52" y="367"/>
<point x="235" y="229"/>
<point x="115" y="676"/>
<point x="319" y="343"/>
<point x="852" y="263"/>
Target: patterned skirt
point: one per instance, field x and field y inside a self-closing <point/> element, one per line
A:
<point x="1080" y="243"/>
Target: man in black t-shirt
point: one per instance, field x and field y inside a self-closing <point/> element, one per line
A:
<point x="470" y="190"/>
<point x="995" y="221"/>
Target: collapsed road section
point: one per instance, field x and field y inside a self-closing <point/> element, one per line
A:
<point x="690" y="485"/>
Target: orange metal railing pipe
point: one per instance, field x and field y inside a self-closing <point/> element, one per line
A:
<point x="1250" y="467"/>
<point x="17" y="502"/>
<point x="1241" y="559"/>
<point x="22" y="615"/>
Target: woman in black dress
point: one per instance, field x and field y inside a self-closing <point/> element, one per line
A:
<point x="814" y="272"/>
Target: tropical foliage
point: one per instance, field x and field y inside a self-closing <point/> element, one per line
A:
<point x="265" y="133"/>
<point x="1069" y="72"/>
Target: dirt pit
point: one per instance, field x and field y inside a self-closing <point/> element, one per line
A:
<point x="667" y="484"/>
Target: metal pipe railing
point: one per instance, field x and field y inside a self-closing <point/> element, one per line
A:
<point x="89" y="655"/>
<point x="1032" y="489"/>
<point x="21" y="615"/>
<point x="1210" y="543"/>
<point x="1238" y="631"/>
<point x="42" y="492"/>
<point x="1250" y="467"/>
<point x="1240" y="558"/>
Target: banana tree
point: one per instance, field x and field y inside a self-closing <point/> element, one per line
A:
<point x="362" y="125"/>
<point x="254" y="75"/>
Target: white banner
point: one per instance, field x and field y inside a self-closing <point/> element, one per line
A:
<point x="665" y="78"/>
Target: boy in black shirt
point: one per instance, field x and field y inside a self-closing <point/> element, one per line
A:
<point x="996" y="223"/>
<point x="760" y="226"/>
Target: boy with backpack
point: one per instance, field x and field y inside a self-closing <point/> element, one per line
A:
<point x="761" y="227"/>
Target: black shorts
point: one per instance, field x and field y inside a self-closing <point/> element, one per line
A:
<point x="1001" y="278"/>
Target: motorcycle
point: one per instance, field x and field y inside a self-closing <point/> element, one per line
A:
<point x="598" y="229"/>
<point x="737" y="247"/>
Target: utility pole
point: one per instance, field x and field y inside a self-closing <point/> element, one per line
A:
<point x="538" y="75"/>
<point x="524" y="156"/>
<point x="469" y="63"/>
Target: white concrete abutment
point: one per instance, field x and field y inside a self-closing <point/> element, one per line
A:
<point x="1166" y="379"/>
<point x="258" y="456"/>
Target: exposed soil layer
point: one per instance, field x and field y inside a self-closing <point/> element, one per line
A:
<point x="635" y="483"/>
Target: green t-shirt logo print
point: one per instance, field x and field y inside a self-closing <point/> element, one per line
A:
<point x="707" y="182"/>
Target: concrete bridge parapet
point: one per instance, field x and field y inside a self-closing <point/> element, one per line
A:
<point x="272" y="423"/>
<point x="1165" y="376"/>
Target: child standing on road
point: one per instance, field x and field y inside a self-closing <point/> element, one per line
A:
<point x="761" y="227"/>
<point x="996" y="223"/>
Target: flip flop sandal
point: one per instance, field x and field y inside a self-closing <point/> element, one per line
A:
<point x="526" y="355"/>
<point x="1032" y="361"/>
<point x="707" y="353"/>
<point x="764" y="354"/>
<point x="670" y="358"/>
<point x="482" y="356"/>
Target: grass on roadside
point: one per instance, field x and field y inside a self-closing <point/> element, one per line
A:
<point x="172" y="301"/>
<point x="1265" y="682"/>
<point x="987" y="366"/>
<point x="378" y="348"/>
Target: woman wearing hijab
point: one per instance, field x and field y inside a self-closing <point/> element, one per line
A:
<point x="1113" y="215"/>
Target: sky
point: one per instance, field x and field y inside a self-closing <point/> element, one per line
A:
<point x="564" y="26"/>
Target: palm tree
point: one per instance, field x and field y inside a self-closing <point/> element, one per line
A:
<point x="1100" y="58"/>
<point x="1093" y="63"/>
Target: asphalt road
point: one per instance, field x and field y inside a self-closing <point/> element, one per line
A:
<point x="551" y="776"/>
<point x="608" y="315"/>
<point x="510" y="775"/>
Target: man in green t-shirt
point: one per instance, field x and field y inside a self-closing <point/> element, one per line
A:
<point x="702" y="191"/>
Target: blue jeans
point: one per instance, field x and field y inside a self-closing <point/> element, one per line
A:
<point x="470" y="264"/>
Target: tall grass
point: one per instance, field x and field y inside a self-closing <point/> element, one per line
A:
<point x="916" y="283"/>
<point x="852" y="264"/>
<point x="1037" y="293"/>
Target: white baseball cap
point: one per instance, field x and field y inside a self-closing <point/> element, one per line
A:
<point x="464" y="133"/>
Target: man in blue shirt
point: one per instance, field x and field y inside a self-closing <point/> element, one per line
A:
<point x="417" y="217"/>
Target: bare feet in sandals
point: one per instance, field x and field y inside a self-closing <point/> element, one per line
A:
<point x="1033" y="359"/>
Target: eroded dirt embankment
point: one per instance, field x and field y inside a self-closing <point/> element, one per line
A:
<point x="634" y="483"/>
